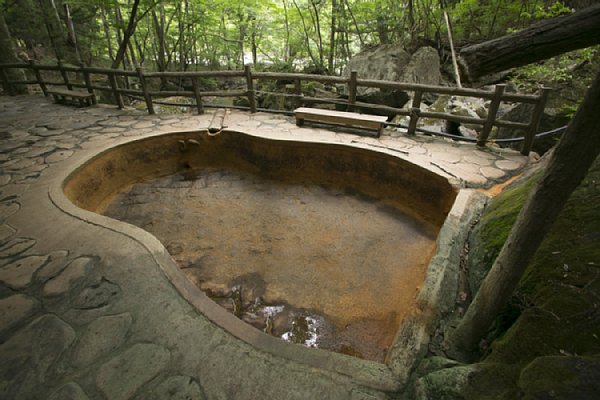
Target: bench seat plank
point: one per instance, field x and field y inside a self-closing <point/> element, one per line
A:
<point x="83" y="98"/>
<point x="368" y="121"/>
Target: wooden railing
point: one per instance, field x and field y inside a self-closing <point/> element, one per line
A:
<point x="114" y="76"/>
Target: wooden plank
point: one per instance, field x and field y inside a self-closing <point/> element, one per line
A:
<point x="493" y="110"/>
<point x="88" y="84"/>
<point x="340" y="114"/>
<point x="415" y="111"/>
<point x="352" y="89"/>
<point x="71" y="93"/>
<point x="298" y="92"/>
<point x="250" y="84"/>
<point x="368" y="121"/>
<point x="538" y="112"/>
<point x="39" y="78"/>
<point x="6" y="82"/>
<point x="197" y="95"/>
<point x="63" y="72"/>
<point x="61" y="95"/>
<point x="204" y="74"/>
<point x="304" y="77"/>
<point x="147" y="96"/>
<point x="112" y="79"/>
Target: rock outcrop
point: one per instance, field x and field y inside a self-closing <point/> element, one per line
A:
<point x="393" y="63"/>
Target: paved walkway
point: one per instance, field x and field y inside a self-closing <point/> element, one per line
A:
<point x="85" y="312"/>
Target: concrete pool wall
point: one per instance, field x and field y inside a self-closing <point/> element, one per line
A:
<point x="420" y="192"/>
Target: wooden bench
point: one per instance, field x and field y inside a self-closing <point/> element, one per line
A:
<point x="368" y="121"/>
<point x="75" y="96"/>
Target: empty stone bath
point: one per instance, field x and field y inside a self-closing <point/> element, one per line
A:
<point x="317" y="244"/>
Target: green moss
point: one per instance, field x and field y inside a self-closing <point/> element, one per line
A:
<point x="559" y="313"/>
<point x="495" y="225"/>
<point x="561" y="377"/>
<point x="493" y="381"/>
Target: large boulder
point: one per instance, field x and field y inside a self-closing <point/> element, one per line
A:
<point x="393" y="63"/>
<point x="424" y="67"/>
<point x="386" y="62"/>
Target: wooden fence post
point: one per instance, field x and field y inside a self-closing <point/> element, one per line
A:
<point x="115" y="88"/>
<point x="38" y="77"/>
<point x="64" y="75"/>
<point x="196" y="88"/>
<point x="298" y="92"/>
<point x="147" y="96"/>
<point x="352" y="89"/>
<point x="491" y="117"/>
<point x="415" y="110"/>
<point x="88" y="82"/>
<point x="6" y="82"/>
<point x="538" y="112"/>
<point x="250" y="83"/>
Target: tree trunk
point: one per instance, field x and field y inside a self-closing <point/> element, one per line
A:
<point x="7" y="55"/>
<point x="331" y="58"/>
<point x="57" y="51"/>
<point x="358" y="32"/>
<point x="119" y="22"/>
<point x="317" y="26"/>
<point x="57" y="16"/>
<point x="306" y="34"/>
<point x="181" y="28"/>
<point x="287" y="51"/>
<point x="243" y="25"/>
<point x="159" y="29"/>
<point x="539" y="42"/>
<point x="107" y="33"/>
<point x="411" y="22"/>
<point x="72" y="36"/>
<point x="131" y="25"/>
<point x="575" y="153"/>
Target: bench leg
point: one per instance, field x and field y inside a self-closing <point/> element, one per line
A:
<point x="299" y="121"/>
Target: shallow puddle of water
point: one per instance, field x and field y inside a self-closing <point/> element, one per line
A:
<point x="310" y="264"/>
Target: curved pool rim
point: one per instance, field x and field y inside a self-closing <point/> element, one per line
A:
<point x="389" y="377"/>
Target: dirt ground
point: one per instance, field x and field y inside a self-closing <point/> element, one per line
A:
<point x="310" y="264"/>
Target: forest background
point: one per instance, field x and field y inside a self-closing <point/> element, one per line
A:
<point x="315" y="36"/>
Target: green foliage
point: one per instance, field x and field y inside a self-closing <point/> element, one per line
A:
<point x="564" y="71"/>
<point x="555" y="10"/>
<point x="291" y="35"/>
<point x="475" y="20"/>
<point x="557" y="69"/>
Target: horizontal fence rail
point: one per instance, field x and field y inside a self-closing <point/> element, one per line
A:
<point x="118" y="84"/>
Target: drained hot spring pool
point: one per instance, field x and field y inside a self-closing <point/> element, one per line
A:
<point x="321" y="245"/>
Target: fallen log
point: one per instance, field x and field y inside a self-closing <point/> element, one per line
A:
<point x="541" y="41"/>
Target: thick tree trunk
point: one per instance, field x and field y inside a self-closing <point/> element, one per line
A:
<point x="575" y="153"/>
<point x="541" y="41"/>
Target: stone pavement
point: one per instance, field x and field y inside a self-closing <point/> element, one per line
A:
<point x="86" y="313"/>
